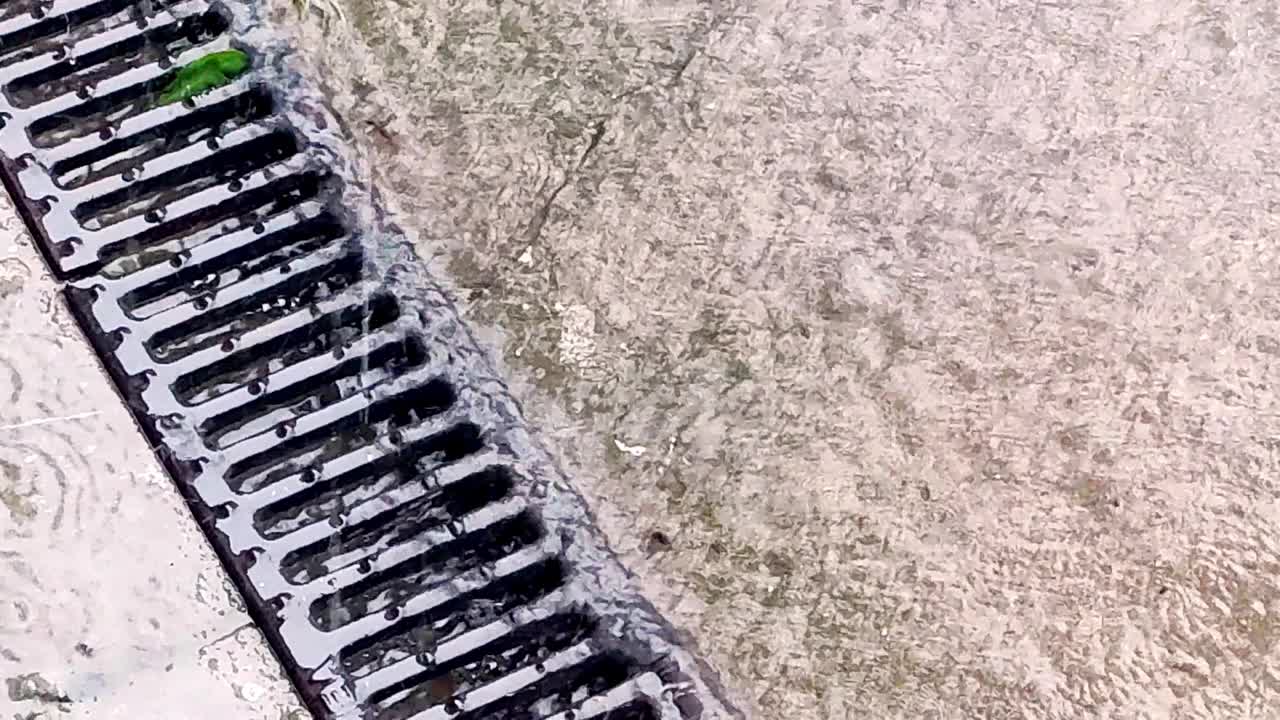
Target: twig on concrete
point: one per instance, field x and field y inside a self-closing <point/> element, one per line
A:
<point x="50" y="420"/>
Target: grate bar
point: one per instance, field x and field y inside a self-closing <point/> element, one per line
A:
<point x="255" y="339"/>
<point x="167" y="163"/>
<point x="58" y="10"/>
<point x="271" y="284"/>
<point x="94" y="242"/>
<point x="452" y="650"/>
<point x="149" y="72"/>
<point x="465" y="583"/>
<point x="387" y="503"/>
<point x="107" y="38"/>
<point x="348" y="409"/>
<point x="498" y="690"/>
<point x="229" y="244"/>
<point x="431" y="539"/>
<point x="146" y="121"/>
<point x="624" y="702"/>
<point x="356" y="460"/>
<point x="291" y="376"/>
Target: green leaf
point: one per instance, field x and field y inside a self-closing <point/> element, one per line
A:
<point x="207" y="73"/>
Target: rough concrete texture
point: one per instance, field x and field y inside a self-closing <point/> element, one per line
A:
<point x="111" y="604"/>
<point x="935" y="339"/>
<point x="917" y="357"/>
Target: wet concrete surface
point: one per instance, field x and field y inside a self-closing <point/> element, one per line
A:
<point x="111" y="603"/>
<point x="918" y="357"/>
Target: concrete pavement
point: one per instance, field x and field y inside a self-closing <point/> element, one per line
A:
<point x="918" y="356"/>
<point x="111" y="603"/>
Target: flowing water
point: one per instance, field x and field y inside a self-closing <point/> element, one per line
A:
<point x="920" y="356"/>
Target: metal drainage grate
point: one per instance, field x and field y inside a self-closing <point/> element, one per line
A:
<point x="406" y="546"/>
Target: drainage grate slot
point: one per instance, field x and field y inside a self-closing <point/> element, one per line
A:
<point x="78" y="20"/>
<point x="557" y="690"/>
<point x="269" y="252"/>
<point x="394" y="525"/>
<point x="126" y="152"/>
<point x="150" y="194"/>
<point x="286" y="349"/>
<point x="465" y="550"/>
<point x="224" y="315"/>
<point x="377" y="480"/>
<point x="353" y="429"/>
<point x="443" y="679"/>
<point x="422" y="633"/>
<point x="71" y="73"/>
<point x="241" y="210"/>
<point x="314" y="392"/>
<point x="104" y="108"/>
<point x="96" y="114"/>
